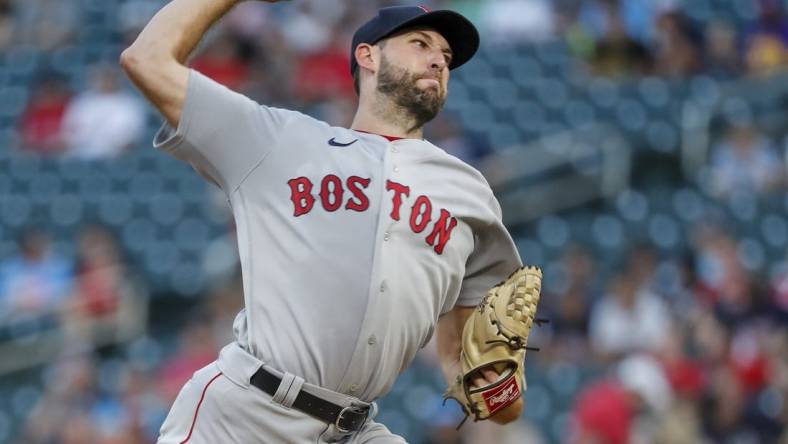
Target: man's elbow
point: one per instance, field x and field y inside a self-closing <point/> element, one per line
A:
<point x="129" y="59"/>
<point x="136" y="61"/>
<point x="510" y="413"/>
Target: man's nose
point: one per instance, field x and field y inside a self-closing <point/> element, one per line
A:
<point x="437" y="60"/>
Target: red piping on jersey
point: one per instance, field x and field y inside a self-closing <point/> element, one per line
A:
<point x="197" y="410"/>
<point x="389" y="138"/>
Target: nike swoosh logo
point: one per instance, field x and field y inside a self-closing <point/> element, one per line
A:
<point x="333" y="142"/>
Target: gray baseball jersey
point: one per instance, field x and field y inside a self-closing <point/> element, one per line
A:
<point x="351" y="245"/>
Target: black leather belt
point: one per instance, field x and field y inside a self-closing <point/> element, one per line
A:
<point x="346" y="419"/>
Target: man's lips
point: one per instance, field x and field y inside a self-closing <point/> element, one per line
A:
<point x="432" y="81"/>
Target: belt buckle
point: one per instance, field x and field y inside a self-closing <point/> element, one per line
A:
<point x="352" y="409"/>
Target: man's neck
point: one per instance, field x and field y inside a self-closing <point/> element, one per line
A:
<point x="380" y="116"/>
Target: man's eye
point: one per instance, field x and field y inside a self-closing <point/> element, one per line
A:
<point x="421" y="43"/>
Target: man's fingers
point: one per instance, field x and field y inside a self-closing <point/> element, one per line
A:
<point x="490" y="375"/>
<point x="485" y="376"/>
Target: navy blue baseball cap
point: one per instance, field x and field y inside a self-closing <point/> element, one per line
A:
<point x="462" y="36"/>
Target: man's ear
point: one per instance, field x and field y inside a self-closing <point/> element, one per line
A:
<point x="367" y="57"/>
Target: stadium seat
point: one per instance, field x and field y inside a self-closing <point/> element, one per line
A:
<point x="751" y="253"/>
<point x="608" y="232"/>
<point x="578" y="114"/>
<point x="553" y="231"/>
<point x="45" y="187"/>
<point x="664" y="232"/>
<point x="165" y="208"/>
<point x="145" y="185"/>
<point x="774" y="231"/>
<point x="23" y="399"/>
<point x="115" y="209"/>
<point x="654" y="92"/>
<point x="662" y="136"/>
<point x="161" y="257"/>
<point x="66" y="210"/>
<point x="192" y="234"/>
<point x="632" y="205"/>
<point x="552" y="93"/>
<point x="631" y="115"/>
<point x="15" y="211"/>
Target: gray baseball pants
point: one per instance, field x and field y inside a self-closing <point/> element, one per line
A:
<point x="218" y="405"/>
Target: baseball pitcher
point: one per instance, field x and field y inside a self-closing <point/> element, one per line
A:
<point x="356" y="244"/>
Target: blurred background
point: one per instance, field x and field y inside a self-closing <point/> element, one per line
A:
<point x="638" y="148"/>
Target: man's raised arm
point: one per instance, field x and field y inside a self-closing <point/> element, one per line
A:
<point x="156" y="61"/>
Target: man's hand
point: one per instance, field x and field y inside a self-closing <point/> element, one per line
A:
<point x="508" y="414"/>
<point x="491" y="379"/>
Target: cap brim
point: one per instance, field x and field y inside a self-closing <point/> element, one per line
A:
<point x="462" y="36"/>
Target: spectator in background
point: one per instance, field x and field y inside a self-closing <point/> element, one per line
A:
<point x="508" y="21"/>
<point x="723" y="409"/>
<point x="779" y="294"/>
<point x="676" y="51"/>
<point x="617" y="54"/>
<point x="745" y="161"/>
<point x="569" y="309"/>
<point x="222" y="62"/>
<point x="46" y="24"/>
<point x="637" y="16"/>
<point x="721" y="50"/>
<point x="80" y="407"/>
<point x="626" y="407"/>
<point x="104" y="121"/>
<point x="197" y="348"/>
<point x="629" y="318"/>
<point x="324" y="75"/>
<point x="42" y="121"/>
<point x="306" y="31"/>
<point x="107" y="305"/>
<point x="60" y="414"/>
<point x="101" y="273"/>
<point x="7" y="24"/>
<point x="37" y="281"/>
<point x="766" y="47"/>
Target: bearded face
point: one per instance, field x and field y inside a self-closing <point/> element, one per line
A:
<point x="400" y="85"/>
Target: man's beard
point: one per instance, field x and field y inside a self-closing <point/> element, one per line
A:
<point x="421" y="105"/>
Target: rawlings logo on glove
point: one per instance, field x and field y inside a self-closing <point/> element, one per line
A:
<point x="502" y="397"/>
<point x="495" y="337"/>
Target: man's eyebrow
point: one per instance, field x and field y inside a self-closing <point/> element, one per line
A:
<point x="432" y="41"/>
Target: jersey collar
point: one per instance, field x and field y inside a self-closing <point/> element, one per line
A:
<point x="389" y="138"/>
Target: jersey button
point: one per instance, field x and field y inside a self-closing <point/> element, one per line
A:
<point x="394" y="149"/>
<point x="396" y="169"/>
<point x="383" y="286"/>
<point x="372" y="340"/>
<point x="386" y="236"/>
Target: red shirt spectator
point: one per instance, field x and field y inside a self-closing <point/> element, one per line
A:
<point x="604" y="413"/>
<point x="221" y="63"/>
<point x="42" y="120"/>
<point x="324" y="75"/>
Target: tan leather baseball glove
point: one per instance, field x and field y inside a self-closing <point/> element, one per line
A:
<point x="496" y="336"/>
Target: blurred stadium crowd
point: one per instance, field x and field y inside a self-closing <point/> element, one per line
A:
<point x="668" y="299"/>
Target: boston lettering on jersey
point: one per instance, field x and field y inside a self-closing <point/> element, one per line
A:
<point x="332" y="196"/>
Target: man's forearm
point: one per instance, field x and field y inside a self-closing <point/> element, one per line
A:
<point x="178" y="27"/>
<point x="156" y="61"/>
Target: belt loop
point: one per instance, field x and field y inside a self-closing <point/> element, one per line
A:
<point x="284" y="387"/>
<point x="292" y="393"/>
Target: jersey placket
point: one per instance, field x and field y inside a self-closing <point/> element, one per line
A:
<point x="368" y="348"/>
